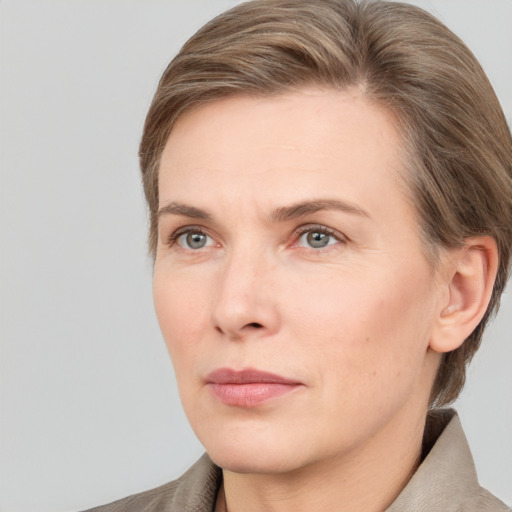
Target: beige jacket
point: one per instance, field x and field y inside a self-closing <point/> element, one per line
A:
<point x="446" y="481"/>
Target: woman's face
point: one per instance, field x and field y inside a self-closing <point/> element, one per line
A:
<point x="287" y="246"/>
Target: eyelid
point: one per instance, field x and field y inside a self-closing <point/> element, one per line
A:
<point x="183" y="230"/>
<point x="340" y="237"/>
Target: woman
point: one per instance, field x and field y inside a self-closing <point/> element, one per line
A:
<point x="330" y="190"/>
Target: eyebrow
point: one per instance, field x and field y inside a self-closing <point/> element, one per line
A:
<point x="303" y="208"/>
<point x="184" y="210"/>
<point x="281" y="214"/>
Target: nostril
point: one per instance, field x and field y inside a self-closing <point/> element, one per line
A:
<point x="252" y="325"/>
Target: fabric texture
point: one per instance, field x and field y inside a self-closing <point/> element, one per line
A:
<point x="445" y="481"/>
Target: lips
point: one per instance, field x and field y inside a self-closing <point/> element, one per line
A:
<point x="248" y="388"/>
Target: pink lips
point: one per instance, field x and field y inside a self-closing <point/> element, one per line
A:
<point x="247" y="388"/>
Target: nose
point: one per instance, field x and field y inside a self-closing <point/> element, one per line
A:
<point x="246" y="304"/>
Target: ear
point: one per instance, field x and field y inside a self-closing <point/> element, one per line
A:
<point x="468" y="279"/>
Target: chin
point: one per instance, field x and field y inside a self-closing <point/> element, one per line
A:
<point x="255" y="462"/>
<point x="254" y="452"/>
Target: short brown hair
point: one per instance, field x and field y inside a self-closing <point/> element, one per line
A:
<point x="459" y="155"/>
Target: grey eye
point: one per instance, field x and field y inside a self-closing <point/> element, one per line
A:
<point x="194" y="240"/>
<point x="316" y="239"/>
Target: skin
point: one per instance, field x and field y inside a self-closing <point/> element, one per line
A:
<point x="354" y="322"/>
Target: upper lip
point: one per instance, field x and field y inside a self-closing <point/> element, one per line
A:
<point x="246" y="376"/>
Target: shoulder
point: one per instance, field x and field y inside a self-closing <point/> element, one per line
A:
<point x="446" y="479"/>
<point x="195" y="490"/>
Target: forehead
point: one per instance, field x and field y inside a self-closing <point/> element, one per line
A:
<point x="325" y="137"/>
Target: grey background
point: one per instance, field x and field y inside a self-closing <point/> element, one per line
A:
<point x="89" y="410"/>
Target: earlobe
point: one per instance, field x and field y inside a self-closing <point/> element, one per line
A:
<point x="470" y="275"/>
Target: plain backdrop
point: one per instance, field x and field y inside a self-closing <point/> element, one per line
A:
<point x="89" y="409"/>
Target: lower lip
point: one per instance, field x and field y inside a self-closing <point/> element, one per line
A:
<point x="250" y="394"/>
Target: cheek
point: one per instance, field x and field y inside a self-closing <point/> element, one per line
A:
<point x="365" y="328"/>
<point x="366" y="344"/>
<point x="181" y="306"/>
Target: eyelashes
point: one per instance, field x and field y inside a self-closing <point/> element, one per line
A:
<point x="191" y="237"/>
<point x="314" y="237"/>
<point x="318" y="237"/>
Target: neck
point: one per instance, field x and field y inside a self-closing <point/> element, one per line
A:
<point x="368" y="478"/>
